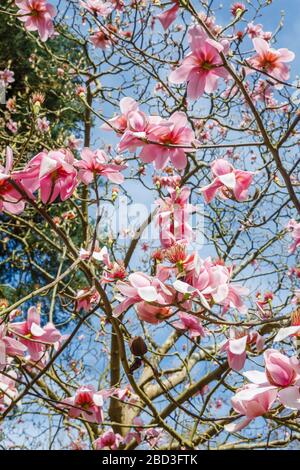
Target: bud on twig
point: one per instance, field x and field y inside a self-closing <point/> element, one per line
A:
<point x="138" y="346"/>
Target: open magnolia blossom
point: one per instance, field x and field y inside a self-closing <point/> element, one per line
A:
<point x="97" y="7"/>
<point x="271" y="61"/>
<point x="210" y="281"/>
<point x="10" y="198"/>
<point x="280" y="381"/>
<point x="191" y="324"/>
<point x="228" y="181"/>
<point x="35" y="337"/>
<point x="37" y="15"/>
<point x="9" y="346"/>
<point x="162" y="140"/>
<point x="176" y="133"/>
<point x="95" y="163"/>
<point x="140" y="290"/>
<point x="86" y="403"/>
<point x="86" y="299"/>
<point x="51" y="172"/>
<point x="108" y="440"/>
<point x="202" y="68"/>
<point x="236" y="346"/>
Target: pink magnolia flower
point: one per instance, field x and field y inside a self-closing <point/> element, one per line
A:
<point x="97" y="7"/>
<point x="294" y="228"/>
<point x="108" y="440"/>
<point x="167" y="181"/>
<point x="9" y="347"/>
<point x="177" y="255"/>
<point x="271" y="61"/>
<point x="101" y="39"/>
<point x="11" y="199"/>
<point x="169" y="16"/>
<point x="120" y="123"/>
<point x="114" y="271"/>
<point x="73" y="143"/>
<point x="142" y="289"/>
<point x="251" y="402"/>
<point x="12" y="126"/>
<point x="191" y="324"/>
<point x="94" y="163"/>
<point x="139" y="127"/>
<point x="98" y="254"/>
<point x="236" y="347"/>
<point x="43" y="124"/>
<point x="6" y="76"/>
<point x="203" y="66"/>
<point x="86" y="403"/>
<point x="86" y="299"/>
<point x="33" y="336"/>
<point x="53" y="172"/>
<point x="153" y="436"/>
<point x="37" y="15"/>
<point x="124" y="394"/>
<point x="211" y="282"/>
<point x="281" y="370"/>
<point x="174" y="132"/>
<point x="254" y="30"/>
<point x="8" y="391"/>
<point x="282" y="374"/>
<point x="228" y="181"/>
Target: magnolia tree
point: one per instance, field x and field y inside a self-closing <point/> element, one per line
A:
<point x="148" y="248"/>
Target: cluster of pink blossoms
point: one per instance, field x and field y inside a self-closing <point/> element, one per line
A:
<point x="190" y="279"/>
<point x="161" y="140"/>
<point x="281" y="380"/>
<point x="55" y="174"/>
<point x="110" y="440"/>
<point x="202" y="68"/>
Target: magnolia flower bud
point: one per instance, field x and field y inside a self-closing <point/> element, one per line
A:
<point x="138" y="346"/>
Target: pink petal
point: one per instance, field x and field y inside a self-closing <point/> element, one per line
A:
<point x="290" y="397"/>
<point x="238" y="346"/>
<point x="148" y="293"/>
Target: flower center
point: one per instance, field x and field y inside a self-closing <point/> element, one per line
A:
<point x="206" y="65"/>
